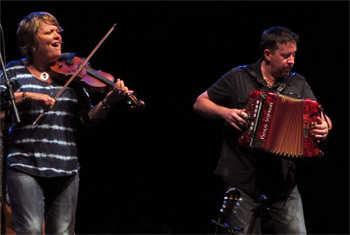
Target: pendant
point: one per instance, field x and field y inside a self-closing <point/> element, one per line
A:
<point x="44" y="76"/>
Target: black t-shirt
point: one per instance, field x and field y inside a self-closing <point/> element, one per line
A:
<point x="253" y="172"/>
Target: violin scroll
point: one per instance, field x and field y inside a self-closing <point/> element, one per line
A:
<point x="135" y="103"/>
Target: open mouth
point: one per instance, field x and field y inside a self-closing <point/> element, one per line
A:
<point x="56" y="44"/>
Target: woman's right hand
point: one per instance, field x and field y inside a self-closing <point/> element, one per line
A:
<point x="45" y="101"/>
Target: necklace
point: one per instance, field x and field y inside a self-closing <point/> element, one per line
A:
<point x="44" y="76"/>
<point x="269" y="84"/>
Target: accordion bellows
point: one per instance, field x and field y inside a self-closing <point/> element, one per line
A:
<point x="281" y="125"/>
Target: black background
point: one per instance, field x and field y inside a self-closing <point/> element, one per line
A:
<point x="151" y="171"/>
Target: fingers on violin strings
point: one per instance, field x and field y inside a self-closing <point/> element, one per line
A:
<point x="117" y="84"/>
<point x="122" y="84"/>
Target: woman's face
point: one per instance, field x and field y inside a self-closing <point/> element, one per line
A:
<point x="50" y="41"/>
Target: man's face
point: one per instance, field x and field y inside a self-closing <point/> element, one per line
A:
<point x="282" y="59"/>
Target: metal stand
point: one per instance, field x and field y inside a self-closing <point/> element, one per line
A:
<point x="7" y="103"/>
<point x="259" y="210"/>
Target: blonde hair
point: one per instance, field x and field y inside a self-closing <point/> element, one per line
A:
<point x="27" y="31"/>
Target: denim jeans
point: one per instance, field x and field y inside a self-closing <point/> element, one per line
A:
<point x="286" y="216"/>
<point x="34" y="199"/>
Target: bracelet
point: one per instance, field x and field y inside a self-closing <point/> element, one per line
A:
<point x="104" y="105"/>
<point x="24" y="96"/>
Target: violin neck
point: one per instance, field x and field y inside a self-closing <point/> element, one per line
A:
<point x="97" y="75"/>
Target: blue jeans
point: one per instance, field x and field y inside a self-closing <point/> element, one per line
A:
<point x="286" y="216"/>
<point x="34" y="199"/>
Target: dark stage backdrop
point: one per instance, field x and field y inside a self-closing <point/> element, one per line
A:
<point x="151" y="171"/>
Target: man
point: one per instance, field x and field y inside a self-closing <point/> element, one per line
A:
<point x="252" y="173"/>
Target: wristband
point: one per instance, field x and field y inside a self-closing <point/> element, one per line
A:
<point x="104" y="105"/>
<point x="24" y="96"/>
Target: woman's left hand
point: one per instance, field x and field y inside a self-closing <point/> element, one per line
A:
<point x="119" y="92"/>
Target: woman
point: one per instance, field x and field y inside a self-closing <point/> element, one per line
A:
<point x="43" y="168"/>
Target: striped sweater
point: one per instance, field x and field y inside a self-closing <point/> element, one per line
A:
<point x="49" y="148"/>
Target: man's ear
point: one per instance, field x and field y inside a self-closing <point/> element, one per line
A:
<point x="267" y="55"/>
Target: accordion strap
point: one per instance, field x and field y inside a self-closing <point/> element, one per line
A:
<point x="284" y="83"/>
<point x="251" y="69"/>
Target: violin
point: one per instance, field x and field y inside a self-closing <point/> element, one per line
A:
<point x="81" y="69"/>
<point x="95" y="81"/>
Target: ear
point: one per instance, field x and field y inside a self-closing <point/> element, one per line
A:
<point x="267" y="55"/>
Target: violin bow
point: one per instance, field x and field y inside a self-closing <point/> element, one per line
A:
<point x="77" y="71"/>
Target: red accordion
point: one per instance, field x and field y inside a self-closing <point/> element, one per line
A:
<point x="281" y="125"/>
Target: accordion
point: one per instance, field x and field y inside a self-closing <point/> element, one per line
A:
<point x="281" y="125"/>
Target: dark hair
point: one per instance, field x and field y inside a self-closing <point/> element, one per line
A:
<point x="28" y="28"/>
<point x="272" y="37"/>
